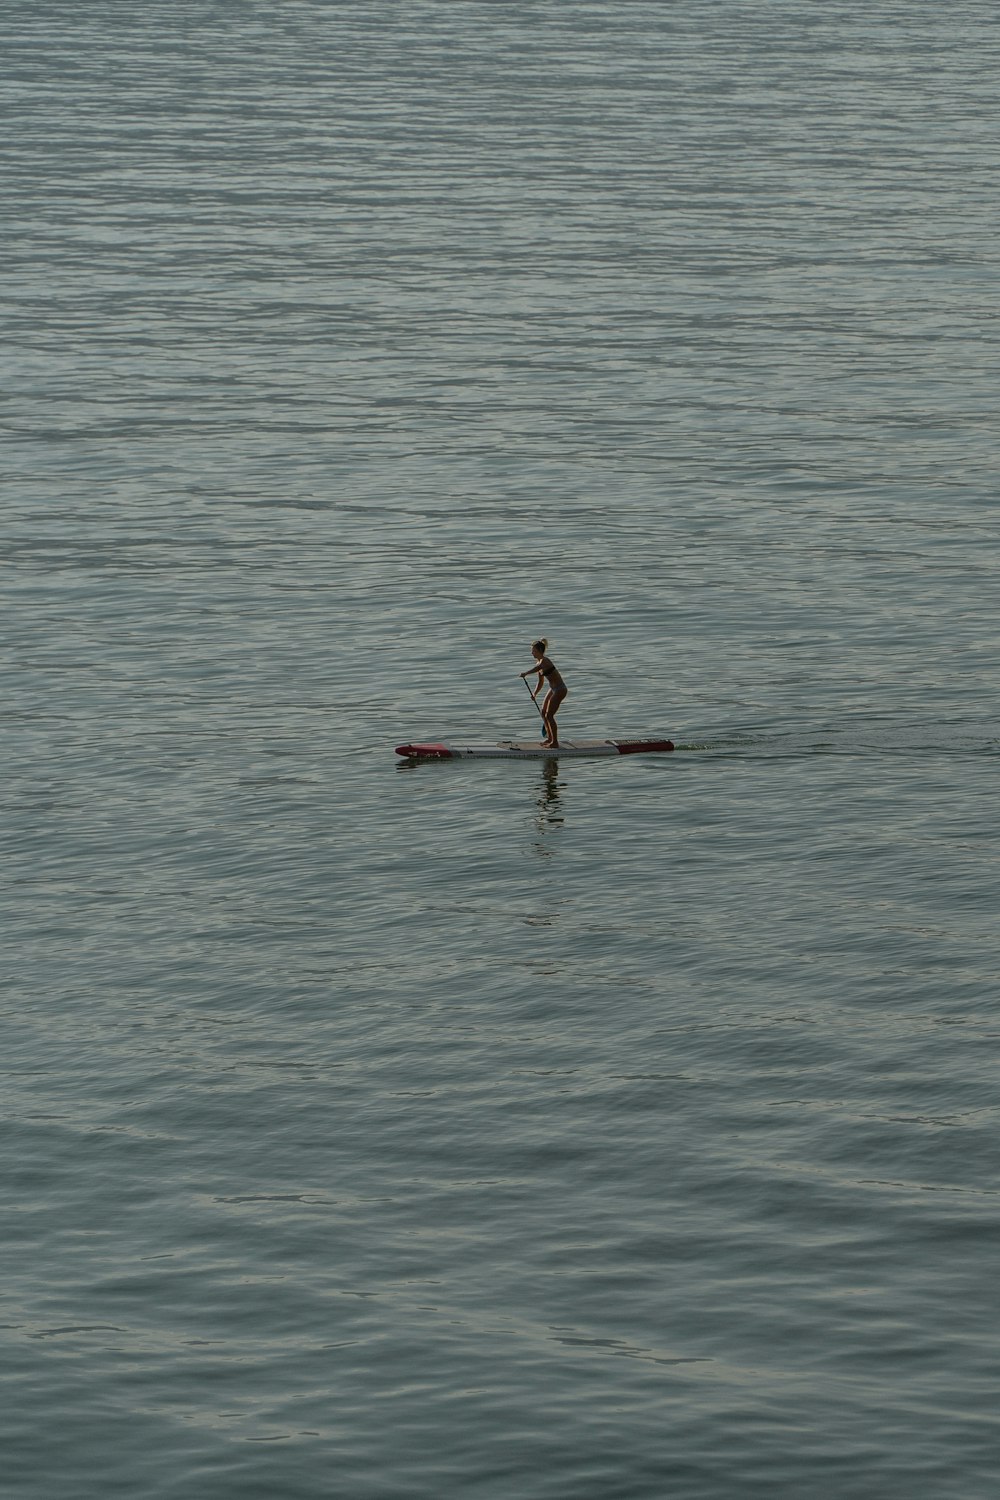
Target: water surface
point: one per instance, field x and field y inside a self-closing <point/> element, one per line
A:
<point x="571" y="1129"/>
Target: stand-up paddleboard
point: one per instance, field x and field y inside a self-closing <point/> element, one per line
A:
<point x="531" y="750"/>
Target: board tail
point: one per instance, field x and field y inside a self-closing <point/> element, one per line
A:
<point x="641" y="747"/>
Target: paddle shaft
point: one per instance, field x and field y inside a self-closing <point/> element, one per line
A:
<point x="534" y="699"/>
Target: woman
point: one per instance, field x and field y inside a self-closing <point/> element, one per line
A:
<point x="555" y="695"/>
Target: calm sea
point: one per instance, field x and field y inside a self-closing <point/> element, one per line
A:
<point x="500" y="1131"/>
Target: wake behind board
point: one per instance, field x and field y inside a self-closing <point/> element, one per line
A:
<point x="531" y="750"/>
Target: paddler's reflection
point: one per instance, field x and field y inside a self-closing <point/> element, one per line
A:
<point x="548" y="799"/>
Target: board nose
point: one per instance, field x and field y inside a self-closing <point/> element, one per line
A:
<point x="440" y="751"/>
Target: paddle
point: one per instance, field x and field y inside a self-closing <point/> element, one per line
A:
<point x="533" y="699"/>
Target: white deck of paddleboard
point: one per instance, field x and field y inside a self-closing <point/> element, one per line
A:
<point x="532" y="749"/>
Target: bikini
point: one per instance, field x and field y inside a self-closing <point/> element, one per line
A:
<point x="551" y="676"/>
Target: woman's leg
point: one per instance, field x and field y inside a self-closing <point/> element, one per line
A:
<point x="546" y="726"/>
<point x="549" y="710"/>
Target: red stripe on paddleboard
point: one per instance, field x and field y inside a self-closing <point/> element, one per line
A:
<point x="636" y="747"/>
<point x="441" y="751"/>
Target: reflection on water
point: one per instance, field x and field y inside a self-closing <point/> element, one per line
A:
<point x="548" y="801"/>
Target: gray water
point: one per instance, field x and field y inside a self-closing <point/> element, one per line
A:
<point x="591" y="1130"/>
